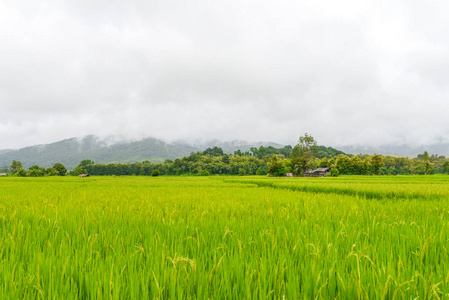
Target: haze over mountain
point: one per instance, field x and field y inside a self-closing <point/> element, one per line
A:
<point x="398" y="150"/>
<point x="70" y="152"/>
<point x="116" y="149"/>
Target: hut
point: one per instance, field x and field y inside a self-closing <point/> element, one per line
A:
<point x="320" y="172"/>
<point x="83" y="175"/>
<point x="288" y="174"/>
<point x="3" y="174"/>
<point x="309" y="173"/>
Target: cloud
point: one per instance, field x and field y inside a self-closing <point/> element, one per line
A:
<point x="348" y="72"/>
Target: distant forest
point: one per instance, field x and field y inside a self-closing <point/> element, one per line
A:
<point x="277" y="162"/>
<point x="269" y="160"/>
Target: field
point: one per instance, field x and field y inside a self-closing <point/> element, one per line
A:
<point x="224" y="237"/>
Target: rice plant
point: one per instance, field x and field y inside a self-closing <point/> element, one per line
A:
<point x="215" y="237"/>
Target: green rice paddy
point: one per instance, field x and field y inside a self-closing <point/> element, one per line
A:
<point x="350" y="237"/>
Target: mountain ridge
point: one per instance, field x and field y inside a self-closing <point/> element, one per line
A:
<point x="71" y="151"/>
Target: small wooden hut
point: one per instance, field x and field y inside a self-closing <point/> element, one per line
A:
<point x="320" y="172"/>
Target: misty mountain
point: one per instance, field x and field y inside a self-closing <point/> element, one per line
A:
<point x="70" y="152"/>
<point x="5" y="151"/>
<point x="399" y="150"/>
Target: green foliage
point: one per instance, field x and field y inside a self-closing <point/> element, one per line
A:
<point x="225" y="159"/>
<point x="261" y="171"/>
<point x="263" y="151"/>
<point x="60" y="169"/>
<point x="327" y="152"/>
<point x="251" y="162"/>
<point x="277" y="166"/>
<point x="215" y="151"/>
<point x="204" y="173"/>
<point x="446" y="167"/>
<point x="302" y="153"/>
<point x="242" y="172"/>
<point x="155" y="173"/>
<point x="335" y="172"/>
<point x="21" y="172"/>
<point x="85" y="162"/>
<point x="78" y="171"/>
<point x="36" y="171"/>
<point x="427" y="165"/>
<point x="15" y="166"/>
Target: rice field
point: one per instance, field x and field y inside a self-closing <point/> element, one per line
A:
<point x="350" y="237"/>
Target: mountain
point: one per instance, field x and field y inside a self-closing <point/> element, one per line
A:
<point x="5" y="151"/>
<point x="70" y="152"/>
<point x="399" y="150"/>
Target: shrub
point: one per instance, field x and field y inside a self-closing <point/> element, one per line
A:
<point x="204" y="173"/>
<point x="334" y="172"/>
<point x="242" y="172"/>
<point x="155" y="173"/>
<point x="21" y="172"/>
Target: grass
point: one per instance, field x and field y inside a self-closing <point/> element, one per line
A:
<point x="213" y="237"/>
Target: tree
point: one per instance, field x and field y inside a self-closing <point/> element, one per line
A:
<point x="342" y="163"/>
<point x="36" y="171"/>
<point x="85" y="162"/>
<point x="275" y="167"/>
<point x="51" y="172"/>
<point x="302" y="153"/>
<point x="238" y="152"/>
<point x="334" y="172"/>
<point x="155" y="173"/>
<point x="225" y="159"/>
<point x="216" y="151"/>
<point x="446" y="167"/>
<point x="21" y="172"/>
<point x="377" y="162"/>
<point x="15" y="166"/>
<point x="428" y="166"/>
<point x="60" y="169"/>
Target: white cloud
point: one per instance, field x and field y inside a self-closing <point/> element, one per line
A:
<point x="348" y="72"/>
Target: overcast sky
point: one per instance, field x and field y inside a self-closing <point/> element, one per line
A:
<point x="347" y="72"/>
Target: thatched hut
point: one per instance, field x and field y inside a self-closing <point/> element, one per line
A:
<point x="320" y="172"/>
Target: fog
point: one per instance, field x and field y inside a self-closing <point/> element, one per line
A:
<point x="347" y="72"/>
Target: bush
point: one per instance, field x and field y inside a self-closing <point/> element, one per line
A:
<point x="204" y="173"/>
<point x="35" y="173"/>
<point x="334" y="172"/>
<point x="261" y="171"/>
<point x="155" y="173"/>
<point x="242" y="172"/>
<point x="21" y="172"/>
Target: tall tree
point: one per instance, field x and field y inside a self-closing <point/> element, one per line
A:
<point x="427" y="164"/>
<point x="302" y="153"/>
<point x="15" y="166"/>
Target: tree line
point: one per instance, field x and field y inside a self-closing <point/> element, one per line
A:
<point x="305" y="155"/>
